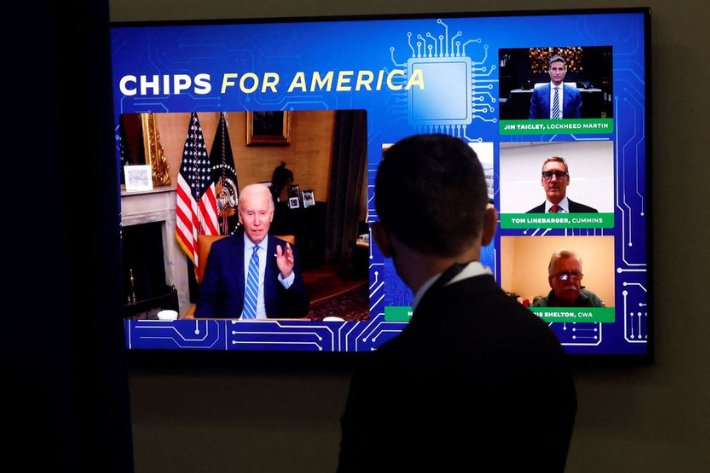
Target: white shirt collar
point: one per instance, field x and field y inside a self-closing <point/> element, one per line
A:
<point x="472" y="269"/>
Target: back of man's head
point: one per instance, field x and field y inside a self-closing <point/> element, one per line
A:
<point x="431" y="194"/>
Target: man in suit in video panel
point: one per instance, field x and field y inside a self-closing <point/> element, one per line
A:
<point x="555" y="179"/>
<point x="556" y="100"/>
<point x="251" y="274"/>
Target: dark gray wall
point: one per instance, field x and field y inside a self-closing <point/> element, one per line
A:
<point x="651" y="419"/>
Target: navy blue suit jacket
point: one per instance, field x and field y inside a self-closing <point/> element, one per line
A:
<point x="540" y="102"/>
<point x="222" y="288"/>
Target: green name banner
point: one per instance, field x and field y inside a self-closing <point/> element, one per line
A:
<point x="398" y="314"/>
<point x="594" y="315"/>
<point x="573" y="220"/>
<point x="546" y="127"/>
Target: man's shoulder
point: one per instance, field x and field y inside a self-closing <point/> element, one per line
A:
<point x="594" y="300"/>
<point x="474" y="332"/>
<point x="274" y="240"/>
<point x="228" y="241"/>
<point x="571" y="89"/>
<point x="537" y="210"/>
<point x="474" y="307"/>
<point x="576" y="207"/>
<point x="541" y="89"/>
<point x="467" y="292"/>
<point x="541" y="301"/>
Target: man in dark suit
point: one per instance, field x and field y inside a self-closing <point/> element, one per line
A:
<point x="569" y="99"/>
<point x="555" y="179"/>
<point x="475" y="381"/>
<point x="251" y="275"/>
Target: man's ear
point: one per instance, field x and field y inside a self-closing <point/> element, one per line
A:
<point x="382" y="239"/>
<point x="549" y="280"/>
<point x="490" y="223"/>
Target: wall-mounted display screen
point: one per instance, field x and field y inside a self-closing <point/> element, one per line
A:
<point x="288" y="120"/>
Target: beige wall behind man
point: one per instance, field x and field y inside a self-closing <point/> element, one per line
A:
<point x="308" y="155"/>
<point x="650" y="418"/>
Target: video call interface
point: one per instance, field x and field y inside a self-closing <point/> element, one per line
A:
<point x="554" y="104"/>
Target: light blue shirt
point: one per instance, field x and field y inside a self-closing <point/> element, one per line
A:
<point x="248" y="250"/>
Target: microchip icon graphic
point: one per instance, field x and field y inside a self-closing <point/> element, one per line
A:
<point x="446" y="96"/>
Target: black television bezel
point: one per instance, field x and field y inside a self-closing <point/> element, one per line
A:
<point x="149" y="359"/>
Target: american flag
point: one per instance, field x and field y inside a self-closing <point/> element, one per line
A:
<point x="196" y="203"/>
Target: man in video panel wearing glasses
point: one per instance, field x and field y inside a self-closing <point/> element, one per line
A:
<point x="565" y="279"/>
<point x="555" y="179"/>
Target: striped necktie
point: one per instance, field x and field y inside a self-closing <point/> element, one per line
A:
<point x="252" y="289"/>
<point x="556" y="104"/>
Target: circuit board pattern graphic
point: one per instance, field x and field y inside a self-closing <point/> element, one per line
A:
<point x="269" y="335"/>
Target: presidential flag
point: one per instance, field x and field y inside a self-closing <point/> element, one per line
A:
<point x="196" y="202"/>
<point x="224" y="175"/>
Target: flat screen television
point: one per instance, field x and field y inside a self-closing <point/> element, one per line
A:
<point x="306" y="107"/>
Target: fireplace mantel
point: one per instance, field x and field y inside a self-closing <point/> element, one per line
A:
<point x="158" y="205"/>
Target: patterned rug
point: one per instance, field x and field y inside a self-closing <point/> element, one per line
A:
<point x="351" y="305"/>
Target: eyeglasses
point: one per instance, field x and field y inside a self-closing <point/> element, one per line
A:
<point x="574" y="275"/>
<point x="558" y="174"/>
